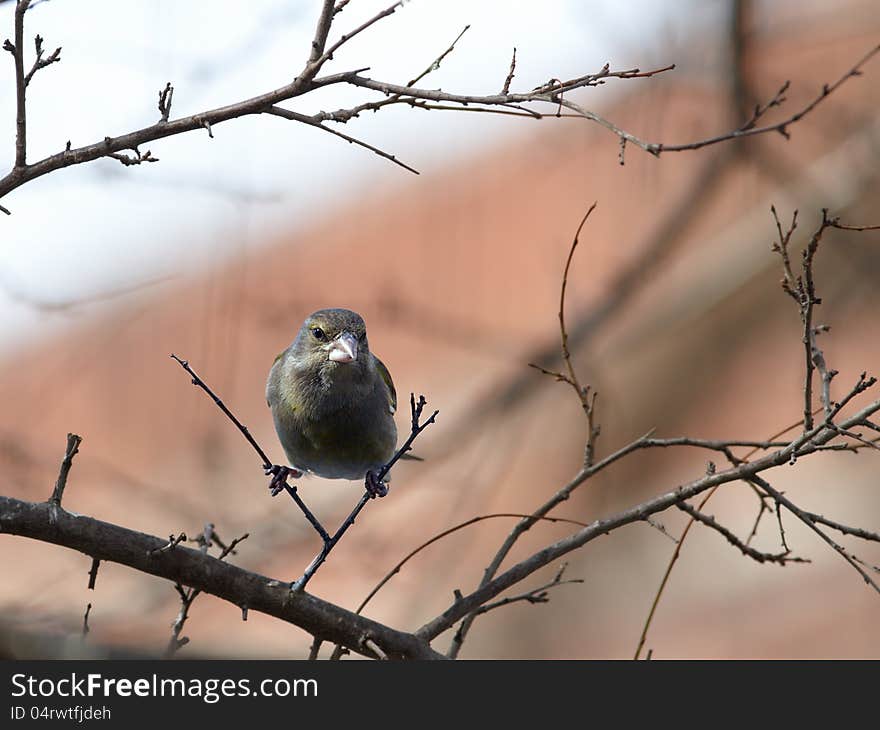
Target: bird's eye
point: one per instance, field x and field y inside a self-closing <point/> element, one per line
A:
<point x="318" y="333"/>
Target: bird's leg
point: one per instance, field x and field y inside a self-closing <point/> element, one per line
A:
<point x="279" y="477"/>
<point x="375" y="487"/>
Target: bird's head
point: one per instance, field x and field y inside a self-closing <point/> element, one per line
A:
<point x="332" y="342"/>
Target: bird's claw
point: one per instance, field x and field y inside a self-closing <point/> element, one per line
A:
<point x="374" y="487"/>
<point x="279" y="477"/>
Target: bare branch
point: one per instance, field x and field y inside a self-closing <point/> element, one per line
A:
<point x="17" y="50"/>
<point x="805" y="444"/>
<point x="172" y="543"/>
<point x="586" y="397"/>
<point x="93" y="573"/>
<point x="73" y="442"/>
<point x="709" y="521"/>
<point x="85" y="627"/>
<point x="325" y="20"/>
<point x="750" y="130"/>
<point x="328" y="54"/>
<point x="435" y="64"/>
<point x="535" y="595"/>
<point x="128" y="160"/>
<point x="41" y="62"/>
<point x="845" y="529"/>
<point x="506" y="88"/>
<point x="809" y="522"/>
<point x="205" y="573"/>
<point x="439" y="536"/>
<point x="311" y="121"/>
<point x="165" y="96"/>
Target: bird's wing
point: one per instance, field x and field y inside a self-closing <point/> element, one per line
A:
<point x="386" y="376"/>
<point x="272" y="381"/>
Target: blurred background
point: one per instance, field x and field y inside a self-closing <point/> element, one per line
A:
<point x="219" y="251"/>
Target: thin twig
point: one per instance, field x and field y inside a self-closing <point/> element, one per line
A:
<point x="93" y="573"/>
<point x="801" y="447"/>
<point x="845" y="529"/>
<point x="809" y="522"/>
<point x="709" y="521"/>
<point x="435" y="64"/>
<point x="535" y="595"/>
<point x="506" y="88"/>
<point x="73" y="442"/>
<point x="198" y="382"/>
<point x="305" y="119"/>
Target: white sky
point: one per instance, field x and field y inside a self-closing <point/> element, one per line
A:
<point x="99" y="227"/>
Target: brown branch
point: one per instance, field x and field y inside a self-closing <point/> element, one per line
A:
<point x="93" y="573"/>
<point x="506" y="88"/>
<point x="750" y="130"/>
<point x="128" y="160"/>
<point x="313" y="122"/>
<point x="190" y="567"/>
<point x="435" y="64"/>
<point x="587" y="399"/>
<point x="802" y="289"/>
<point x="804" y="517"/>
<point x="328" y="54"/>
<point x="187" y="596"/>
<point x="802" y="446"/>
<point x="85" y="627"/>
<point x="644" y="442"/>
<point x="325" y="20"/>
<point x="845" y="529"/>
<point x="535" y="595"/>
<point x="306" y="81"/>
<point x="709" y="521"/>
<point x="835" y="223"/>
<point x="17" y="50"/>
<point x="445" y="533"/>
<point x="165" y="96"/>
<point x="172" y="543"/>
<point x="41" y="62"/>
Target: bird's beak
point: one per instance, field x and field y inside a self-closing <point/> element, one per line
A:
<point x="344" y="348"/>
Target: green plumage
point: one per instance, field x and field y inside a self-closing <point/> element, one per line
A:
<point x="332" y="400"/>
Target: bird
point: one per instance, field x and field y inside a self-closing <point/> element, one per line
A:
<point x="333" y="402"/>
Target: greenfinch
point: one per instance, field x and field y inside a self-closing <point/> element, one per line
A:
<point x="333" y="401"/>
